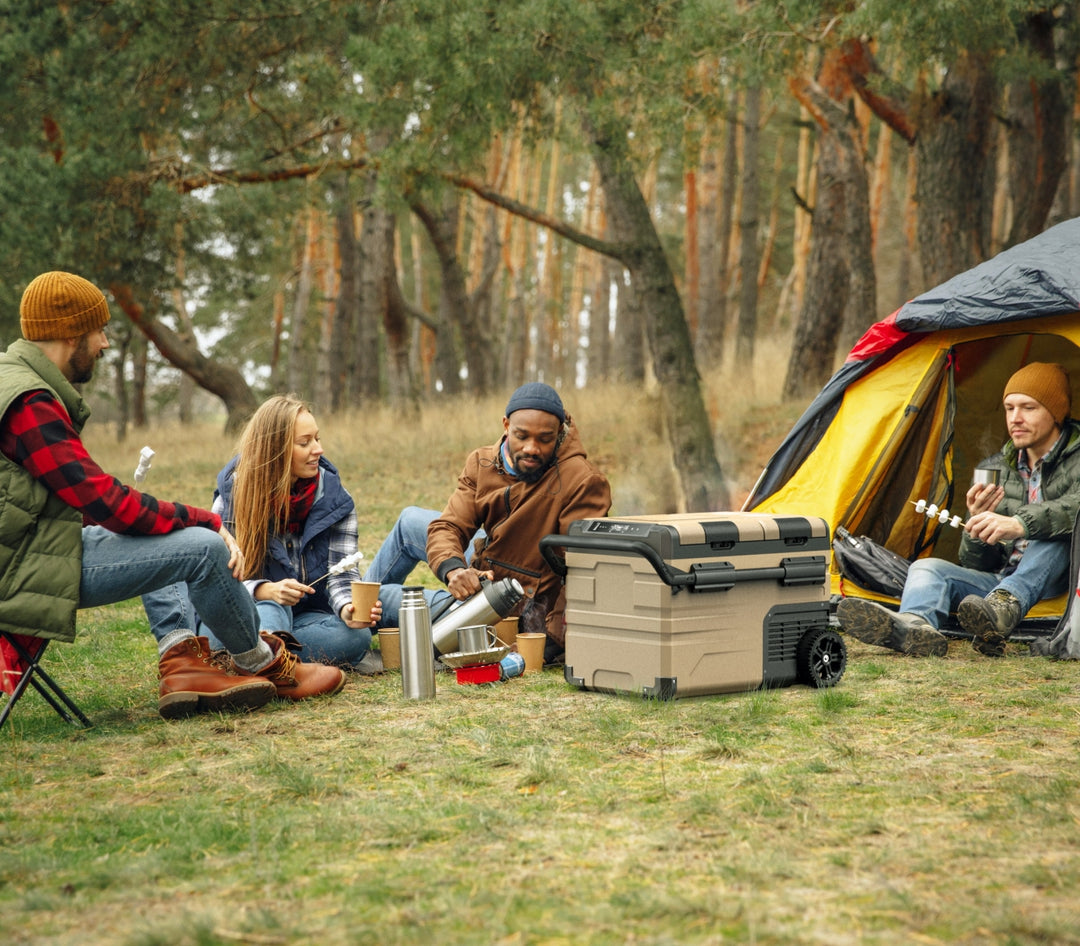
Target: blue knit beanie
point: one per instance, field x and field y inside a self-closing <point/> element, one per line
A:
<point x="536" y="396"/>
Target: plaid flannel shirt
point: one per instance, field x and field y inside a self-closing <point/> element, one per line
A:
<point x="37" y="434"/>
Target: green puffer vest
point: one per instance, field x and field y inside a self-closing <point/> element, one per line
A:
<point x="40" y="535"/>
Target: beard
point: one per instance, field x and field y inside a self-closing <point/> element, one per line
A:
<point x="81" y="363"/>
<point x="531" y="476"/>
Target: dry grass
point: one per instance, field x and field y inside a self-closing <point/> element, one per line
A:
<point x="929" y="801"/>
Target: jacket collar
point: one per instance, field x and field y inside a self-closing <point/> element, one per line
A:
<point x="78" y="410"/>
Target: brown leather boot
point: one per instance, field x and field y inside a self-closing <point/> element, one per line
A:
<point x="192" y="680"/>
<point x="296" y="680"/>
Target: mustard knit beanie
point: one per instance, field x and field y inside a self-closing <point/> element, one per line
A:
<point x="1046" y="383"/>
<point x="61" y="305"/>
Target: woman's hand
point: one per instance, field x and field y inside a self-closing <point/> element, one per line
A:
<point x="375" y="616"/>
<point x="287" y="592"/>
<point x="236" y="557"/>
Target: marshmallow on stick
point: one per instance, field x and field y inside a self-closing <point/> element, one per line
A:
<point x="349" y="561"/>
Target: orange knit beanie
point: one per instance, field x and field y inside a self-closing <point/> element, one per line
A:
<point x="1046" y="383"/>
<point x="61" y="305"/>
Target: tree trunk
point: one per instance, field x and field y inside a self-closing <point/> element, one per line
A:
<point x="139" y="349"/>
<point x="599" y="361"/>
<point x="828" y="281"/>
<point x="223" y="380"/>
<point x="629" y="354"/>
<point x="840" y="299"/>
<point x="400" y="378"/>
<point x="372" y="300"/>
<point x="708" y="302"/>
<point x="296" y="370"/>
<point x="687" y="423"/>
<point x="1036" y="115"/>
<point x="454" y="305"/>
<point x="122" y="346"/>
<point x="748" y="231"/>
<point x="712" y="325"/>
<point x="340" y="374"/>
<point x="956" y="153"/>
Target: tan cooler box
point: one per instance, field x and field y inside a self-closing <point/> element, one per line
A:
<point x="698" y="603"/>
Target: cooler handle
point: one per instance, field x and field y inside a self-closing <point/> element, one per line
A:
<point x="606" y="543"/>
<point x="718" y="576"/>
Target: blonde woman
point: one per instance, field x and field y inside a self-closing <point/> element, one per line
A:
<point x="293" y="520"/>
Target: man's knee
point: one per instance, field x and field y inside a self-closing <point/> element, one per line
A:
<point x="417" y="516"/>
<point x="927" y="569"/>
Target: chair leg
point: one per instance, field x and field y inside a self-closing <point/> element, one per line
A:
<point x="38" y="677"/>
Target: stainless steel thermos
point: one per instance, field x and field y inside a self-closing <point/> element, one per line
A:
<point x="417" y="655"/>
<point x="494" y="601"/>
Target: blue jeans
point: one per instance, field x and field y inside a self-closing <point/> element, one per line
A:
<point x="118" y="567"/>
<point x="401" y="551"/>
<point x="934" y="587"/>
<point x="325" y="637"/>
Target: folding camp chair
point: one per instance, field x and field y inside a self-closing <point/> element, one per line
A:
<point x="20" y="667"/>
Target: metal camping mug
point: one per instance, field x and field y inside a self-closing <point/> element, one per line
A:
<point x="986" y="477"/>
<point x="473" y="639"/>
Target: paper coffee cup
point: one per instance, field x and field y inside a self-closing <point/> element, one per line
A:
<point x="364" y="596"/>
<point x="506" y="631"/>
<point x="531" y="647"/>
<point x="390" y="647"/>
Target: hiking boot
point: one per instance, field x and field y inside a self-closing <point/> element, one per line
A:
<point x="193" y="680"/>
<point x="296" y="680"/>
<point x="370" y="664"/>
<point x="990" y="620"/>
<point x="875" y="624"/>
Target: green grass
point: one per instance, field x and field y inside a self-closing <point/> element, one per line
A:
<point x="930" y="801"/>
<point x="925" y="801"/>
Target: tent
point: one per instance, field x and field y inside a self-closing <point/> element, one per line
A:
<point x="917" y="404"/>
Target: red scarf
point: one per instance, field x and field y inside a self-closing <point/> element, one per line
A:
<point x="301" y="499"/>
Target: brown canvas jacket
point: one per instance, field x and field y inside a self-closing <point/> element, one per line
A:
<point x="515" y="515"/>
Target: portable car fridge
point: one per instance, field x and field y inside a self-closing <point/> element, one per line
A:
<point x="697" y="603"/>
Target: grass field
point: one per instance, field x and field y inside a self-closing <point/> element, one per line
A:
<point x="920" y="801"/>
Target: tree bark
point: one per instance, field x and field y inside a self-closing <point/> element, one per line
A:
<point x="296" y="369"/>
<point x="339" y="371"/>
<point x="956" y="148"/>
<point x="693" y="454"/>
<point x="454" y="304"/>
<point x="1036" y="116"/>
<point x="629" y="353"/>
<point x="712" y="324"/>
<point x="839" y="275"/>
<point x="373" y="303"/>
<point x="748" y="231"/>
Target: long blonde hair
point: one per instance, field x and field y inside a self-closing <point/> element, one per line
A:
<point x="263" y="476"/>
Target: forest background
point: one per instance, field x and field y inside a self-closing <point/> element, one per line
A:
<point x="388" y="203"/>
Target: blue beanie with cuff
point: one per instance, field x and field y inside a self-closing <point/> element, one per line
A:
<point x="539" y="397"/>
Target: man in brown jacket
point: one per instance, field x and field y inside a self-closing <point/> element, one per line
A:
<point x="534" y="481"/>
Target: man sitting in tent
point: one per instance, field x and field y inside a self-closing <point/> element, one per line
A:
<point x="1015" y="546"/>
